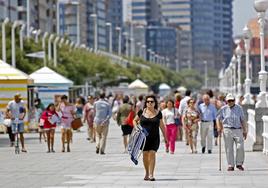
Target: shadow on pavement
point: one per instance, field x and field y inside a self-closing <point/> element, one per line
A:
<point x="177" y="179"/>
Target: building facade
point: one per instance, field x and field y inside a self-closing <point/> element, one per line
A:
<point x="42" y="13"/>
<point x="144" y="11"/>
<point x="161" y="41"/>
<point x="206" y="29"/>
<point x="114" y="9"/>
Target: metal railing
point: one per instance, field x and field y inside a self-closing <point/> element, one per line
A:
<point x="251" y="124"/>
<point x="265" y="134"/>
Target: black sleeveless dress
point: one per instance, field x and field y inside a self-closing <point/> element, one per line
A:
<point x="152" y="127"/>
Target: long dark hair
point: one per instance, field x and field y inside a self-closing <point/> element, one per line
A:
<point x="51" y="104"/>
<point x="155" y="101"/>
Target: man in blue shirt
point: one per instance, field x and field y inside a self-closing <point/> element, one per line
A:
<point x="208" y="116"/>
<point x="230" y="120"/>
<point x="103" y="113"/>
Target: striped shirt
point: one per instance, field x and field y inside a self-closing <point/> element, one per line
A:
<point x="231" y="117"/>
<point x="208" y="113"/>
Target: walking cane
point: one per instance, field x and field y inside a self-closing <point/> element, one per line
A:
<point x="220" y="152"/>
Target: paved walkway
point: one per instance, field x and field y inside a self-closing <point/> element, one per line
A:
<point x="83" y="168"/>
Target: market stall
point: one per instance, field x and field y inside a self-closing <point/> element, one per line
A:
<point x="13" y="81"/>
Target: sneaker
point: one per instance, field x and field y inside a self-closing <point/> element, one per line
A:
<point x="203" y="149"/>
<point x="102" y="153"/>
<point x="230" y="168"/>
<point x="240" y="167"/>
<point x="167" y="150"/>
<point x="97" y="150"/>
<point x="209" y="151"/>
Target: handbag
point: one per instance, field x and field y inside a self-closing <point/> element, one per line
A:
<point x="76" y="123"/>
<point x="177" y="120"/>
<point x="129" y="119"/>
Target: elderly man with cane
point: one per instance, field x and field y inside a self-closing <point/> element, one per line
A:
<point x="230" y="121"/>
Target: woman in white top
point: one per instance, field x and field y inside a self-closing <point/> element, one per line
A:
<point x="169" y="115"/>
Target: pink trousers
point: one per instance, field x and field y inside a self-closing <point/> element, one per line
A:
<point x="171" y="134"/>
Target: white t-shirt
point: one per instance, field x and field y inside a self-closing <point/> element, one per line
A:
<point x="16" y="110"/>
<point x="183" y="105"/>
<point x="168" y="116"/>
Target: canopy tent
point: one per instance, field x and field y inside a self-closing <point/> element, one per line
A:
<point x="46" y="76"/>
<point x="181" y="89"/>
<point x="138" y="84"/>
<point x="39" y="55"/>
<point x="164" y="89"/>
<point x="50" y="85"/>
<point x="138" y="87"/>
<point x="13" y="81"/>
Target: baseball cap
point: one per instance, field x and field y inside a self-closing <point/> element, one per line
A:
<point x="230" y="96"/>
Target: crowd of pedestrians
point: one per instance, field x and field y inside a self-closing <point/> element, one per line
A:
<point x="180" y="118"/>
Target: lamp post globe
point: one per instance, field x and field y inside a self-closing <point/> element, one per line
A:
<point x="247" y="35"/>
<point x="239" y="53"/>
<point x="233" y="62"/>
<point x="261" y="5"/>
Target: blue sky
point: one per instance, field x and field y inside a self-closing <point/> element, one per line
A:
<point x="243" y="11"/>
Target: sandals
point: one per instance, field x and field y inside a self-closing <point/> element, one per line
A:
<point x="24" y="150"/>
<point x="150" y="178"/>
<point x="146" y="178"/>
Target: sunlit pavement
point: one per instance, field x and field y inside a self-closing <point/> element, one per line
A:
<point x="82" y="167"/>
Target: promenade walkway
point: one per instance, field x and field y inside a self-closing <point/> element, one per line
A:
<point x="83" y="168"/>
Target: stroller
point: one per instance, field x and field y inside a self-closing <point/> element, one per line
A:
<point x="136" y="143"/>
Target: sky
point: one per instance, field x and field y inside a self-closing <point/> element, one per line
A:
<point x="243" y="11"/>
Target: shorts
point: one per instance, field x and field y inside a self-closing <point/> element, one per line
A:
<point x="126" y="129"/>
<point x="49" y="128"/>
<point x="20" y="128"/>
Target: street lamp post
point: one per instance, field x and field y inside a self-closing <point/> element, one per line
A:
<point x="126" y="44"/>
<point x="94" y="17"/>
<point x="247" y="38"/>
<point x="119" y="40"/>
<point x="239" y="53"/>
<point x="139" y="51"/>
<point x="4" y="52"/>
<point x="144" y="52"/>
<point x="61" y="42"/>
<point x="78" y="23"/>
<point x="44" y="46"/>
<point x="177" y="65"/>
<point x="13" y="43"/>
<point x="49" y="47"/>
<point x="233" y="62"/>
<point x="109" y="25"/>
<point x="37" y="33"/>
<point x="132" y="47"/>
<point x="149" y="54"/>
<point x="206" y="74"/>
<point x="55" y="50"/>
<point x="189" y="64"/>
<point x="28" y="18"/>
<point x="261" y="7"/>
<point x="22" y="29"/>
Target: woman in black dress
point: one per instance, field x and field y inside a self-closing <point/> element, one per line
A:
<point x="150" y="118"/>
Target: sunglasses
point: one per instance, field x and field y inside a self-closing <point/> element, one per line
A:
<point x="149" y="101"/>
<point x="231" y="101"/>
